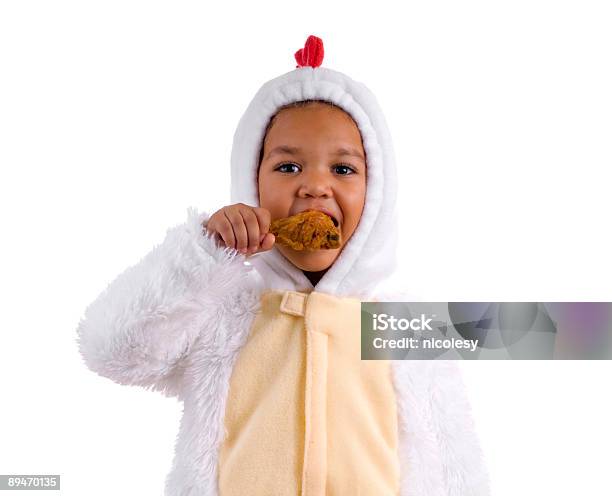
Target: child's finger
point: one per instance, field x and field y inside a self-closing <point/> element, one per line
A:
<point x="227" y="235"/>
<point x="264" y="219"/>
<point x="224" y="230"/>
<point x="240" y="230"/>
<point x="252" y="225"/>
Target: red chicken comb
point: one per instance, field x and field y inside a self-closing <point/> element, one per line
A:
<point x="312" y="53"/>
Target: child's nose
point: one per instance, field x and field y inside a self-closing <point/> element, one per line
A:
<point x="315" y="184"/>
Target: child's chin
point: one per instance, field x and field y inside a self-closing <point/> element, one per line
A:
<point x="311" y="261"/>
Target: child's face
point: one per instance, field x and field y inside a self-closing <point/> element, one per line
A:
<point x="315" y="174"/>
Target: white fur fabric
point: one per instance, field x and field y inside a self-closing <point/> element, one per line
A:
<point x="440" y="454"/>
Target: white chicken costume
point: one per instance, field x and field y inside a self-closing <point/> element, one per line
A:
<point x="276" y="399"/>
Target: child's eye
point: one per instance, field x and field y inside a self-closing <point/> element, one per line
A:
<point x="344" y="170"/>
<point x="283" y="167"/>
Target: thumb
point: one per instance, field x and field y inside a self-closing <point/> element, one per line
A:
<point x="268" y="242"/>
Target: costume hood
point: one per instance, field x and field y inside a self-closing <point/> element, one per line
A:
<point x="369" y="257"/>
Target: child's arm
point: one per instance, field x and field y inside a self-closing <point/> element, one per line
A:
<point x="144" y="324"/>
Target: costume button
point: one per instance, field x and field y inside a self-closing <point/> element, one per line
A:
<point x="293" y="303"/>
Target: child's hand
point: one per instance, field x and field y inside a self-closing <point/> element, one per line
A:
<point x="243" y="228"/>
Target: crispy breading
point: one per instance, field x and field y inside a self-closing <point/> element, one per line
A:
<point x="309" y="230"/>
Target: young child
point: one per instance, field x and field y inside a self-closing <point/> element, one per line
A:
<point x="262" y="342"/>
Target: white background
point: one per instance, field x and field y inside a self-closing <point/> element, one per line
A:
<point x="116" y="116"/>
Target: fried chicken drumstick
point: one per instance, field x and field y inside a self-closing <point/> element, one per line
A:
<point x="309" y="230"/>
